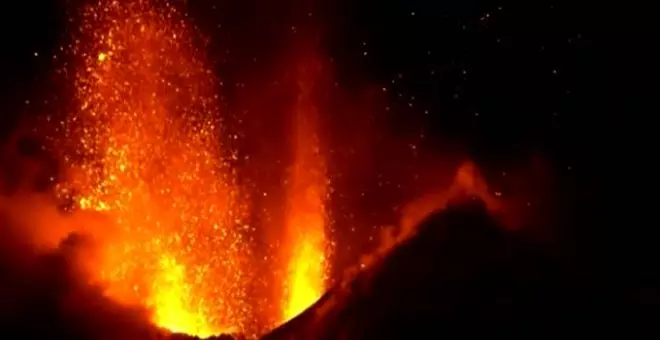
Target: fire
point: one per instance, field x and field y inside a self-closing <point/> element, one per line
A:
<point x="144" y="148"/>
<point x="306" y="213"/>
<point x="306" y="281"/>
<point x="169" y="295"/>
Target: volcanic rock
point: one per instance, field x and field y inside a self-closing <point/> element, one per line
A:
<point x="460" y="276"/>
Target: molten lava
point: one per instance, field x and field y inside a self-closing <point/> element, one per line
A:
<point x="143" y="147"/>
<point x="306" y="213"/>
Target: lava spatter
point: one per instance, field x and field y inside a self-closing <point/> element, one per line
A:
<point x="144" y="146"/>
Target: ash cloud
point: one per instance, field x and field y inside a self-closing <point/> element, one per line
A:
<point x="44" y="291"/>
<point x="45" y="254"/>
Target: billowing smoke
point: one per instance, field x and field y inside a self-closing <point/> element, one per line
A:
<point x="46" y="289"/>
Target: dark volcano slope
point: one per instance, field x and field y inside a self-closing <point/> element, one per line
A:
<point x="461" y="276"/>
<point x="42" y="297"/>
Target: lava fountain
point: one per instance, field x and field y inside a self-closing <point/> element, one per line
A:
<point x="306" y="241"/>
<point x="144" y="147"/>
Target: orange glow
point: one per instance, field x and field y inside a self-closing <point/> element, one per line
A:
<point x="170" y="296"/>
<point x="306" y="213"/>
<point x="144" y="148"/>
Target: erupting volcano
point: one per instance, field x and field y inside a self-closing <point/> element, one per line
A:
<point x="309" y="170"/>
<point x="145" y="148"/>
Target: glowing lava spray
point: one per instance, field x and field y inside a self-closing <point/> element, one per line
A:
<point x="144" y="147"/>
<point x="306" y="215"/>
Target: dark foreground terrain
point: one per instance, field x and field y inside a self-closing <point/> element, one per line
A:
<point x="461" y="276"/>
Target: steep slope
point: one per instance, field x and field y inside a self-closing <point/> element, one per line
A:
<point x="461" y="276"/>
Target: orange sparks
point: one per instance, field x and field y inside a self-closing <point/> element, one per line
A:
<point x="306" y="213"/>
<point x="144" y="148"/>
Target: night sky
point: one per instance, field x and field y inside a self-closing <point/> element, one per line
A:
<point x="503" y="82"/>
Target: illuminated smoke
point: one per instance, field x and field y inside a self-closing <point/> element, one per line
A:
<point x="306" y="214"/>
<point x="467" y="182"/>
<point x="144" y="147"/>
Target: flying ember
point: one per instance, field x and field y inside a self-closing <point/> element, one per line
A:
<point x="144" y="147"/>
